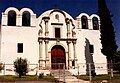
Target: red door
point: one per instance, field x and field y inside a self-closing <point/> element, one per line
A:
<point x="58" y="57"/>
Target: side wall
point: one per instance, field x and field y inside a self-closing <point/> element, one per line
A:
<point x="86" y="38"/>
<point x="11" y="36"/>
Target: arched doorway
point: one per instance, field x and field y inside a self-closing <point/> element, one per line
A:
<point x="58" y="59"/>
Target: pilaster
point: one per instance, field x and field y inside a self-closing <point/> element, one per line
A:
<point x="46" y="53"/>
<point x="40" y="53"/>
<point x="33" y="20"/>
<point x="19" y="20"/>
<point x="69" y="54"/>
<point x="75" y="56"/>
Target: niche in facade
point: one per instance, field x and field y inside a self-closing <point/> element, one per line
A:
<point x="57" y="17"/>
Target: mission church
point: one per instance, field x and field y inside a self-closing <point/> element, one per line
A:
<point x="53" y="40"/>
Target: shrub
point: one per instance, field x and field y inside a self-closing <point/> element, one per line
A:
<point x="21" y="66"/>
<point x="1" y="66"/>
<point x="41" y="75"/>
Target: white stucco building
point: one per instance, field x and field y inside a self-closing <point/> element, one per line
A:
<point x="52" y="38"/>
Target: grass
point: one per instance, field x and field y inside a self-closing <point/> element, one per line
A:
<point x="26" y="78"/>
<point x="99" y="78"/>
<point x="96" y="79"/>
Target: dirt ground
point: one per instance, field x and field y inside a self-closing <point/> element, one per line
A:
<point x="27" y="82"/>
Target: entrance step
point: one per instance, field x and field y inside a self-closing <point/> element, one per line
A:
<point x="66" y="76"/>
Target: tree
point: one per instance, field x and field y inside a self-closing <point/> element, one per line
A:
<point x="108" y="41"/>
<point x="21" y="66"/>
<point x="116" y="61"/>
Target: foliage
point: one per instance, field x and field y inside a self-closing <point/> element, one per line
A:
<point x="41" y="75"/>
<point x="118" y="53"/>
<point x="107" y="30"/>
<point x="1" y="66"/>
<point x="21" y="66"/>
<point x="116" y="61"/>
<point x="108" y="41"/>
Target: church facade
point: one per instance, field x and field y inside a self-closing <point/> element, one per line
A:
<point x="53" y="40"/>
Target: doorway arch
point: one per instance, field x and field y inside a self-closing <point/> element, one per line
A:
<point x="58" y="58"/>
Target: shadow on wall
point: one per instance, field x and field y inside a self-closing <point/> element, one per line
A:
<point x="89" y="59"/>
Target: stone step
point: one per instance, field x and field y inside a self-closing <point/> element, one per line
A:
<point x="60" y="72"/>
<point x="69" y="78"/>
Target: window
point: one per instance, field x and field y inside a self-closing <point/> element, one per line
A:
<point x="57" y="17"/>
<point x="73" y="63"/>
<point x="91" y="48"/>
<point x="20" y="47"/>
<point x="26" y="19"/>
<point x="57" y="32"/>
<point x="11" y="18"/>
<point x="95" y="23"/>
<point x="84" y="21"/>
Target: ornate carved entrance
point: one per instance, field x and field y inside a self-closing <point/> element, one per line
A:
<point x="58" y="59"/>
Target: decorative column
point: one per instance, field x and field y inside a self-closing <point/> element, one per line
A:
<point x="46" y="19"/>
<point x="75" y="56"/>
<point x="69" y="54"/>
<point x="46" y="53"/>
<point x="40" y="53"/>
<point x="67" y="20"/>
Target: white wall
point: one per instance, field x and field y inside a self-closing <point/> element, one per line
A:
<point x="13" y="35"/>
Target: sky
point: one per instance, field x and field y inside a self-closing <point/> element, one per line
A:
<point x="72" y="7"/>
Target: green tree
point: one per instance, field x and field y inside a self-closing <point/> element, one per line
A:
<point x="108" y="41"/>
<point x="1" y="66"/>
<point x="21" y="66"/>
<point x="116" y="61"/>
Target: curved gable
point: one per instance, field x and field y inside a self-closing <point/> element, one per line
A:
<point x="84" y="14"/>
<point x="94" y="15"/>
<point x="11" y="9"/>
<point x="26" y="9"/>
<point x="57" y="10"/>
